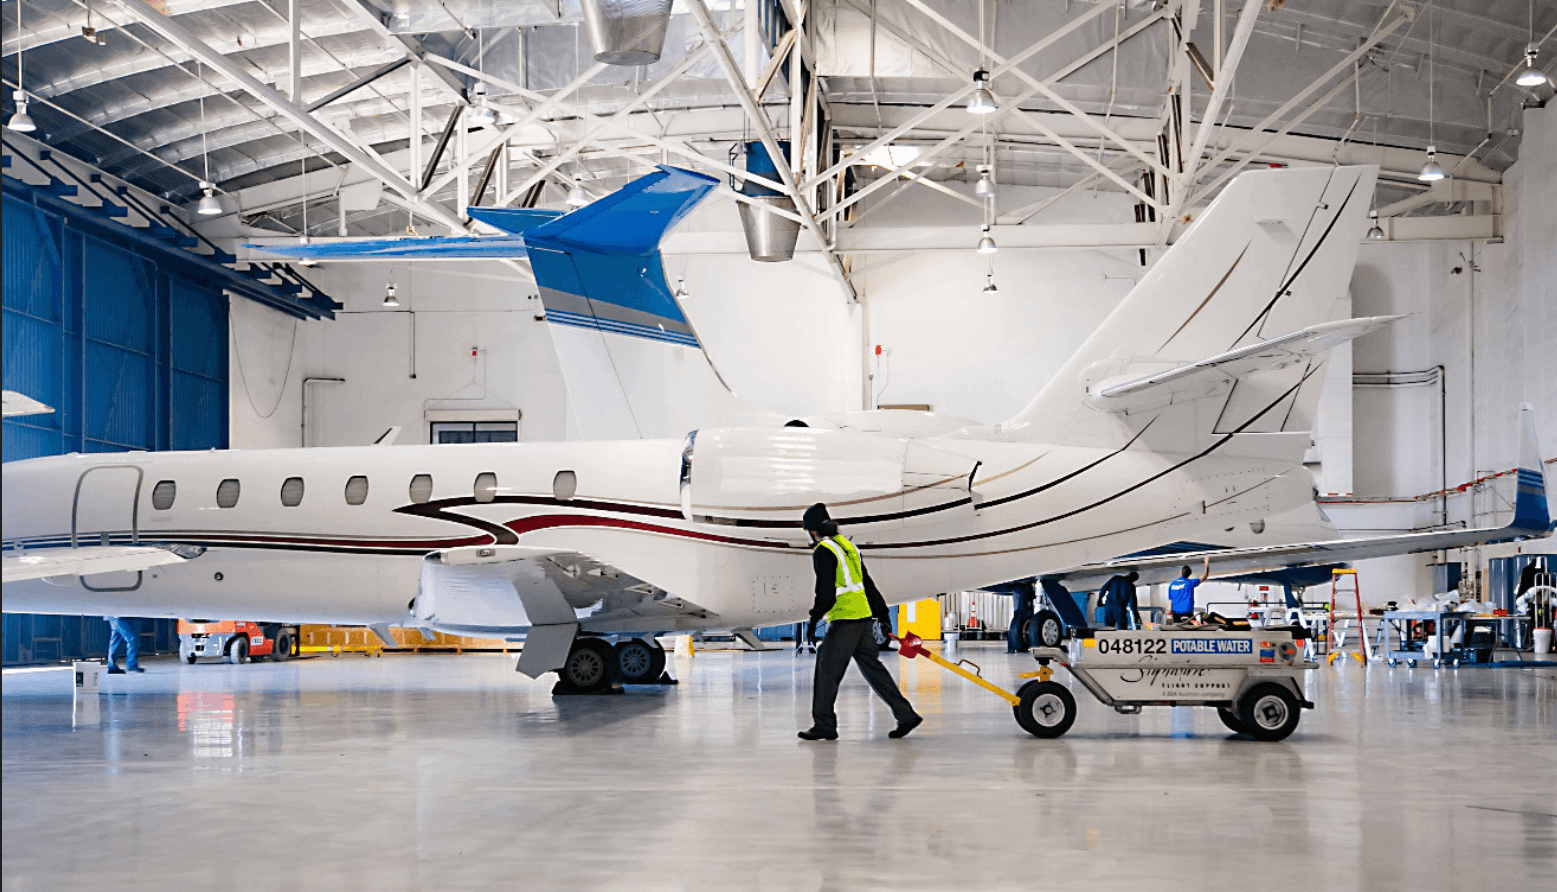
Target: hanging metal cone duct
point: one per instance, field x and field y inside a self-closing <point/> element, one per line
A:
<point x="769" y="237"/>
<point x="626" y="32"/>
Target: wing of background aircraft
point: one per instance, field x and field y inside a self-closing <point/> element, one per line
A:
<point x="15" y="404"/>
<point x="1531" y="520"/>
<point x="43" y="563"/>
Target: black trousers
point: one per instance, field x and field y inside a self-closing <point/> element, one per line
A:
<point x="845" y="639"/>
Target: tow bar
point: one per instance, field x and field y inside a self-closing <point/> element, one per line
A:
<point x="912" y="645"/>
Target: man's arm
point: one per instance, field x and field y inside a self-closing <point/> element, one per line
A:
<point x="826" y="567"/>
<point x="878" y="604"/>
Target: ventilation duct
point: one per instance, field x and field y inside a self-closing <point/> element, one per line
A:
<point x="769" y="237"/>
<point x="626" y="32"/>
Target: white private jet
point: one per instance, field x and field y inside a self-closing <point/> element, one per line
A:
<point x="1186" y="412"/>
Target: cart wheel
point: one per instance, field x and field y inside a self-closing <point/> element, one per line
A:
<point x="1268" y="712"/>
<point x="1437" y="663"/>
<point x="1411" y="663"/>
<point x="1047" y="709"/>
<point x="1048" y="629"/>
<point x="1455" y="663"/>
<point x="1392" y="662"/>
<point x="238" y="650"/>
<point x="1231" y="720"/>
<point x="189" y="658"/>
<point x="281" y="649"/>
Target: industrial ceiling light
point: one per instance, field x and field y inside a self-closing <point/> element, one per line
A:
<point x="982" y="101"/>
<point x="986" y="185"/>
<point x="987" y="243"/>
<point x="1531" y="76"/>
<point x="989" y="285"/>
<point x="20" y="121"/>
<point x="390" y="300"/>
<point x="482" y="115"/>
<point x="1431" y="171"/>
<point x="681" y="289"/>
<point x="577" y="197"/>
<point x="1374" y="232"/>
<point x="208" y="206"/>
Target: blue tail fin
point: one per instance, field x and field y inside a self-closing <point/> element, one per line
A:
<point x="599" y="267"/>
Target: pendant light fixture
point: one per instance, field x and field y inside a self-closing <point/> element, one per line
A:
<point x="681" y="289"/>
<point x="987" y="242"/>
<point x="989" y="284"/>
<point x="390" y="301"/>
<point x="982" y="102"/>
<point x="482" y="115"/>
<point x="1531" y="76"/>
<point x="1431" y="171"/>
<point x="208" y="206"/>
<point x="1374" y="231"/>
<point x="20" y="121"/>
<point x="986" y="184"/>
<point x="577" y="197"/>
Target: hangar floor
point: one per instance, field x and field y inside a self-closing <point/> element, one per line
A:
<point x="455" y="773"/>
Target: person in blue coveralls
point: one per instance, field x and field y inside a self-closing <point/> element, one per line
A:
<point x="122" y="635"/>
<point x="1119" y="610"/>
<point x="1181" y="593"/>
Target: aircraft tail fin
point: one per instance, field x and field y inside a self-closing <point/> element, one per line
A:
<point x="628" y="351"/>
<point x="1531" y="509"/>
<point x="1251" y="285"/>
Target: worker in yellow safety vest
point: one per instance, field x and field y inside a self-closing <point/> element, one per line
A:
<point x="848" y="599"/>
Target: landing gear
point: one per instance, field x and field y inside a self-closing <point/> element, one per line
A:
<point x="589" y="667"/>
<point x="639" y="661"/>
<point x="1047" y="629"/>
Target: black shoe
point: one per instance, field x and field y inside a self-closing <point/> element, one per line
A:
<point x="814" y="734"/>
<point x="904" y="727"/>
<point x="136" y="669"/>
<point x="115" y="671"/>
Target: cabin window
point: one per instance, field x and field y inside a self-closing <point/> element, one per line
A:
<point x="564" y="485"/>
<point x="356" y="490"/>
<point x="162" y="494"/>
<point x="292" y="492"/>
<point x="486" y="486"/>
<point x="421" y="489"/>
<point x="227" y="493"/>
<point x="475" y="432"/>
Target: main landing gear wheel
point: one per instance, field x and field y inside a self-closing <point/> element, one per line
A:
<point x="639" y="661"/>
<point x="1231" y="720"/>
<point x="1047" y="709"/>
<point x="1269" y="712"/>
<point x="1047" y="629"/>
<point x="282" y="650"/>
<point x="238" y="651"/>
<point x="588" y="668"/>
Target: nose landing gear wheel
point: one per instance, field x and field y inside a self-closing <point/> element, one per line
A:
<point x="1269" y="712"/>
<point x="588" y="667"/>
<point x="1047" y="709"/>
<point x="1047" y="629"/>
<point x="639" y="662"/>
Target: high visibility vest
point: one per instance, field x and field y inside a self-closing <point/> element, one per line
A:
<point x="850" y="602"/>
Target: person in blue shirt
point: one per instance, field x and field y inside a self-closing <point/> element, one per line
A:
<point x="1118" y="597"/>
<point x="1181" y="594"/>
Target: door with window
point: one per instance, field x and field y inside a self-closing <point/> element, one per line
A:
<point x="106" y="512"/>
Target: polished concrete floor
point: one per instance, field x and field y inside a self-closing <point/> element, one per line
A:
<point x="445" y="772"/>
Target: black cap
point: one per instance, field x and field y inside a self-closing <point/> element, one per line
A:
<point x="815" y="516"/>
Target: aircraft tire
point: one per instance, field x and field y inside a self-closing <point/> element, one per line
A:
<point x="1047" y="709"/>
<point x="589" y="668"/>
<point x="639" y="661"/>
<point x="1048" y="630"/>
<point x="1269" y="712"/>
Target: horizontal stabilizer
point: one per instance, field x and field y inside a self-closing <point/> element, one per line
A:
<point x="515" y="221"/>
<point x="1216" y="374"/>
<point x="631" y="220"/>
<point x="458" y="247"/>
<point x="43" y="563"/>
<point x="1531" y="520"/>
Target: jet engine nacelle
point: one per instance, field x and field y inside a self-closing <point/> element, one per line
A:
<point x="767" y="477"/>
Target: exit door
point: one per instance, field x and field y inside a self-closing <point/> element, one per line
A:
<point x="106" y="512"/>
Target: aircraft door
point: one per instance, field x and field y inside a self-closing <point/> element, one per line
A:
<point x="106" y="512"/>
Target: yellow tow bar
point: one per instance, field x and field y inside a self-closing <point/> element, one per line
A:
<point x="912" y="645"/>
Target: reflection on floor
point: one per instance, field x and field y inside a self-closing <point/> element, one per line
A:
<point x="439" y="772"/>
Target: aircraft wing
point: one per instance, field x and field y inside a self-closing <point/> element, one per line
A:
<point x="15" y="404"/>
<point x="46" y="562"/>
<point x="1531" y="520"/>
<point x="546" y="596"/>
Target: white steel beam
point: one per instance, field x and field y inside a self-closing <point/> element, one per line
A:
<point x="1225" y="72"/>
<point x="177" y="34"/>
